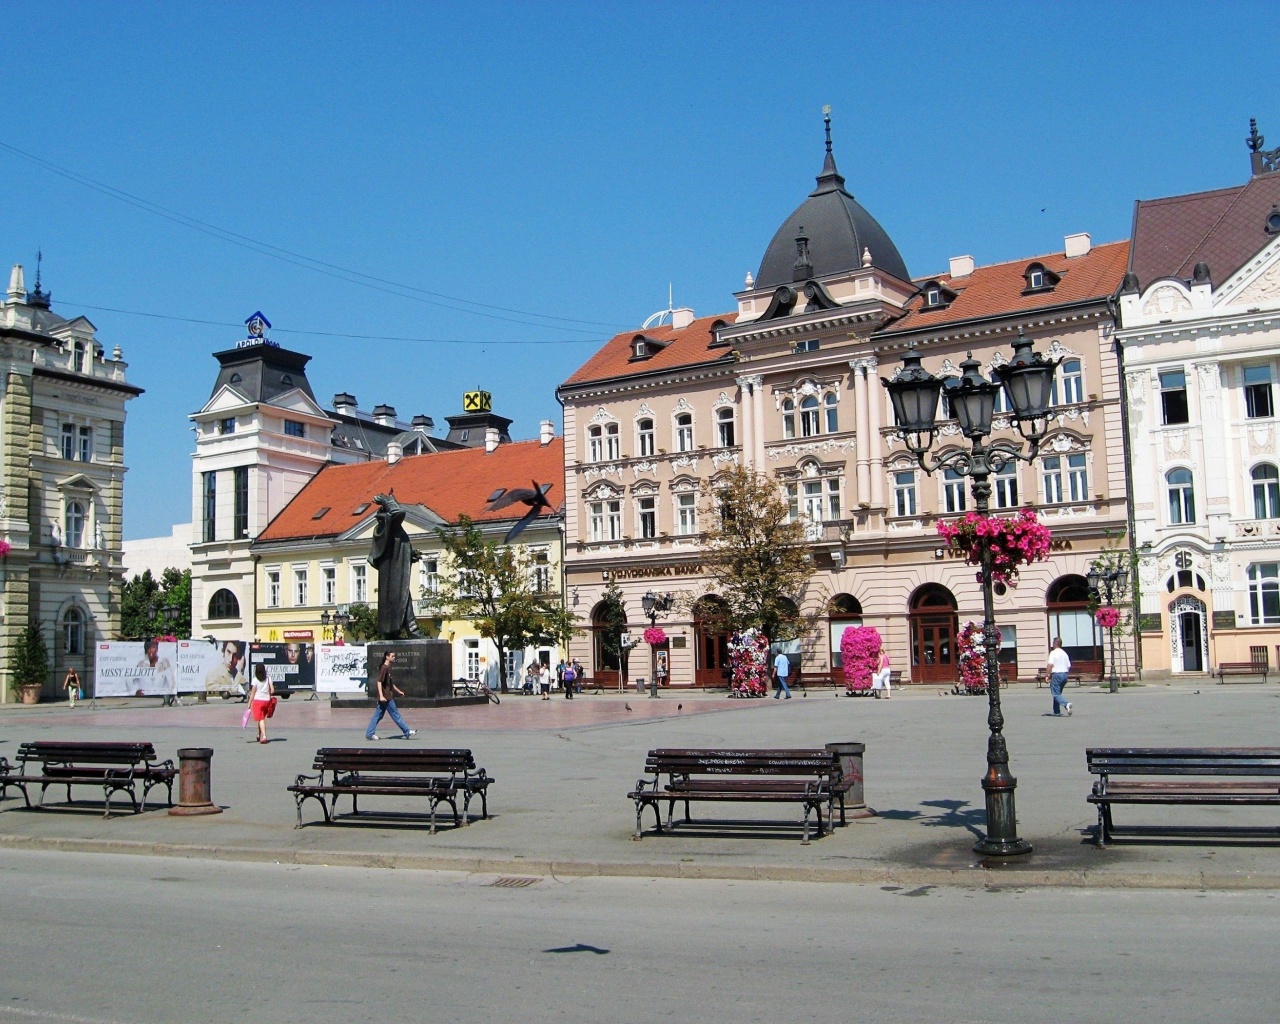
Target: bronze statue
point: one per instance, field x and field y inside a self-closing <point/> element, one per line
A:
<point x="393" y="556"/>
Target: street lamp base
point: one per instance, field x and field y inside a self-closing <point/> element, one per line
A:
<point x="989" y="847"/>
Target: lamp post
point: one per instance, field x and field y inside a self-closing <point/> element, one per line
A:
<point x="1027" y="380"/>
<point x="655" y="605"/>
<point x="1111" y="585"/>
<point x="339" y="621"/>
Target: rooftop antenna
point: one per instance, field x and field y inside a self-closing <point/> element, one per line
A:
<point x="826" y="120"/>
<point x="663" y="314"/>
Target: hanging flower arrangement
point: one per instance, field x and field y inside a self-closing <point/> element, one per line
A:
<point x="4" y="548"/>
<point x="971" y="648"/>
<point x="655" y="636"/>
<point x="1014" y="541"/>
<point x="748" y="664"/>
<point x="859" y="654"/>
<point x="1108" y="617"/>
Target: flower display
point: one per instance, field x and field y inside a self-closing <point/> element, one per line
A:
<point x="749" y="664"/>
<point x="1108" y="617"/>
<point x="971" y="648"/>
<point x="859" y="654"/>
<point x="4" y="548"/>
<point x="655" y="636"/>
<point x="1013" y="542"/>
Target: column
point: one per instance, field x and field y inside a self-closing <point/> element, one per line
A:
<point x="748" y="422"/>
<point x="757" y="392"/>
<point x="875" y="450"/>
<point x="864" y="431"/>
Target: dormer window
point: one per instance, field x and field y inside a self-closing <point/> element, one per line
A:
<point x="937" y="295"/>
<point x="933" y="296"/>
<point x="644" y="347"/>
<point x="1039" y="279"/>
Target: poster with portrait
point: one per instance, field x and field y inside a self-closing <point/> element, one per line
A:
<point x="291" y="667"/>
<point x="340" y="668"/>
<point x="136" y="668"/>
<point x="216" y="668"/>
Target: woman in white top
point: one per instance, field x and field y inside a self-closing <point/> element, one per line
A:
<point x="880" y="681"/>
<point x="544" y="680"/>
<point x="260" y="693"/>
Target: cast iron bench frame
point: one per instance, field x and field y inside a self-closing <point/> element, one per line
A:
<point x="440" y="776"/>
<point x="1247" y="770"/>
<point x="1241" y="668"/>
<point x="115" y="766"/>
<point x="809" y="777"/>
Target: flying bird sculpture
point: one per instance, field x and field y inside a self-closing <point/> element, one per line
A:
<point x="535" y="498"/>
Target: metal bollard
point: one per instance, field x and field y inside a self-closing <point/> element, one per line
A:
<point x="855" y="800"/>
<point x="194" y="764"/>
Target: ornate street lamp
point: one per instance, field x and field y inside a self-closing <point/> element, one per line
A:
<point x="1027" y="380"/>
<point x="338" y="620"/>
<point x="655" y="605"/>
<point x="1109" y="585"/>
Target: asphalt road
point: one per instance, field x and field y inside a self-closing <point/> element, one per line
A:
<point x="124" y="940"/>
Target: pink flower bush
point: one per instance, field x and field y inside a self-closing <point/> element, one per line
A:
<point x="1108" y="617"/>
<point x="4" y="548"/>
<point x="1013" y="541"/>
<point x="859" y="654"/>
<point x="971" y="648"/>
<point x="655" y="636"/>
<point x="749" y="664"/>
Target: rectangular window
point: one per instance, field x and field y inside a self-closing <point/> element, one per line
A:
<point x="648" y="513"/>
<point x="1072" y="379"/>
<point x="595" y="520"/>
<point x="904" y="493"/>
<point x="431" y="576"/>
<point x="813" y="501"/>
<point x="1264" y="594"/>
<point x="329" y="583"/>
<point x="473" y="659"/>
<point x="1052" y="478"/>
<point x="686" y="514"/>
<point x="299" y="588"/>
<point x="227" y="426"/>
<point x="1257" y="392"/>
<point x="240" y="523"/>
<point x="1078" y="477"/>
<point x="953" y="491"/>
<point x="595" y="444"/>
<point x="1005" y="491"/>
<point x="613" y="520"/>
<point x="359" y="583"/>
<point x="612" y="440"/>
<point x="1173" y="396"/>
<point x="684" y="433"/>
<point x="86" y="444"/>
<point x="210" y="506"/>
<point x="645" y="445"/>
<point x="724" y="426"/>
<point x="808" y="345"/>
<point x="68" y="441"/>
<point x="542" y="572"/>
<point x="833" y="498"/>
<point x="273" y="588"/>
<point x="295" y="429"/>
<point x="793" y="502"/>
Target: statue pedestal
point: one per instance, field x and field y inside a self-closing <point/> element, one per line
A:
<point x="423" y="670"/>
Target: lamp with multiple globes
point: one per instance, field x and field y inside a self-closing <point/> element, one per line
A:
<point x="1109" y="586"/>
<point x="655" y="605"/>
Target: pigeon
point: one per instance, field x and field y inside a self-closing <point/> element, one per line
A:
<point x="679" y="707"/>
<point x="535" y="498"/>
<point x="627" y="706"/>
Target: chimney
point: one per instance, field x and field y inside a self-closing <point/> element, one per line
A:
<point x="384" y="415"/>
<point x="546" y="431"/>
<point x="1078" y="245"/>
<point x="394" y="452"/>
<point x="424" y="423"/>
<point x="681" y="318"/>
<point x="490" y="438"/>
<point x="343" y="400"/>
<point x="961" y="266"/>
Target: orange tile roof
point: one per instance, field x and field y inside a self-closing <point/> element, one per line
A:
<point x="996" y="289"/>
<point x="686" y="347"/>
<point x="450" y="484"/>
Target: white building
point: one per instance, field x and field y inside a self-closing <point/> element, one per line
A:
<point x="156" y="554"/>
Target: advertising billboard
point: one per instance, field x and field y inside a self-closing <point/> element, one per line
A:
<point x="291" y="667"/>
<point x="340" y="668"/>
<point x="136" y="668"/>
<point x="217" y="668"/>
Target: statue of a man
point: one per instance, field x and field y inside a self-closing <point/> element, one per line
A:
<point x="393" y="556"/>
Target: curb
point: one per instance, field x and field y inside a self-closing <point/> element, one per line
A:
<point x="887" y="874"/>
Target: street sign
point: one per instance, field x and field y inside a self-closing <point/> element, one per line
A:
<point x="625" y="640"/>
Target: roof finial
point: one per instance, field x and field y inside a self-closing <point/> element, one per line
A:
<point x="829" y="180"/>
<point x="1254" y="141"/>
<point x="826" y="120"/>
<point x="38" y="297"/>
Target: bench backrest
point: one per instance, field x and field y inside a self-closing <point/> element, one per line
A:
<point x="72" y="752"/>
<point x="743" y="762"/>
<point x="412" y="759"/>
<point x="1184" y="760"/>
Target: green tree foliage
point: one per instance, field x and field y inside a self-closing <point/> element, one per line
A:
<point x="756" y="555"/>
<point x="610" y="621"/>
<point x="144" y="598"/>
<point x="493" y="585"/>
<point x="363" y="625"/>
<point x="30" y="657"/>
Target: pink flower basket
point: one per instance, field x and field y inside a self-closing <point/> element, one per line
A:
<point x="1014" y="541"/>
<point x="655" y="636"/>
<point x="4" y="548"/>
<point x="1108" y="617"/>
<point x="859" y="653"/>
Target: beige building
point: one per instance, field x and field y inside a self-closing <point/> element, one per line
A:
<point x="788" y="384"/>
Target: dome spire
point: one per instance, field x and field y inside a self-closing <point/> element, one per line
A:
<point x="829" y="180"/>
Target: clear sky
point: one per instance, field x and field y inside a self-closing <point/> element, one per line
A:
<point x="547" y="169"/>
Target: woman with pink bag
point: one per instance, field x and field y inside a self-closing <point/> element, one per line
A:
<point x="261" y="700"/>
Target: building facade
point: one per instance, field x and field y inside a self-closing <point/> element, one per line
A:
<point x="1200" y="330"/>
<point x="62" y="423"/>
<point x="788" y="385"/>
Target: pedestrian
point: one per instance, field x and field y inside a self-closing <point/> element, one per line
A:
<point x="560" y="672"/>
<point x="544" y="680"/>
<point x="386" y="695"/>
<point x="781" y="669"/>
<point x="261" y="694"/>
<point x="577" y="674"/>
<point x="1058" y="667"/>
<point x="72" y="685"/>
<point x="528" y="679"/>
<point x="569" y="679"/>
<point x="880" y="681"/>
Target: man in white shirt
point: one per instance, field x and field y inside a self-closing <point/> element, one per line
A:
<point x="1058" y="667"/>
<point x="781" y="669"/>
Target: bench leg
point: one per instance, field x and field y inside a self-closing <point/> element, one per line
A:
<point x="808" y="810"/>
<point x="639" y="834"/>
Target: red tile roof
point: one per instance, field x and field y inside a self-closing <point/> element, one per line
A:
<point x="686" y="347"/>
<point x="997" y="289"/>
<point x="450" y="484"/>
<point x="1223" y="228"/>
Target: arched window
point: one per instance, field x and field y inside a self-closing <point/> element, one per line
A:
<point x="788" y="418"/>
<point x="1182" y="498"/>
<point x="605" y="651"/>
<point x="1072" y="378"/>
<point x="724" y="427"/>
<point x="74" y="526"/>
<point x="223" y="605"/>
<point x="611" y="441"/>
<point x="809" y="416"/>
<point x="844" y="611"/>
<point x="644" y="438"/>
<point x="1067" y="604"/>
<point x="684" y="432"/>
<point x="595" y="443"/>
<point x="78" y="357"/>
<point x="73" y="631"/>
<point x="1266" y="491"/>
<point x="833" y="414"/>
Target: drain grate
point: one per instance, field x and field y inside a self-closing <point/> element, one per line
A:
<point x="513" y="882"/>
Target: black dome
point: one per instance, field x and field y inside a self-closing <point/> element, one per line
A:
<point x="838" y="230"/>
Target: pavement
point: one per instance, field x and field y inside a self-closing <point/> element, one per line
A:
<point x="563" y="769"/>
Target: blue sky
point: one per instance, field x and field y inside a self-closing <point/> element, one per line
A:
<point x="563" y="161"/>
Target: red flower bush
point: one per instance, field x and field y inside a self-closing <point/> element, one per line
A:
<point x="749" y="664"/>
<point x="859" y="654"/>
<point x="655" y="636"/>
<point x="1108" y="617"/>
<point x="1013" y="542"/>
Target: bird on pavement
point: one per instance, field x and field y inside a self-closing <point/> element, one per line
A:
<point x="627" y="706"/>
<point x="535" y="498"/>
<point x="679" y="707"/>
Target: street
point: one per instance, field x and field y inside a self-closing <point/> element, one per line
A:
<point x="132" y="940"/>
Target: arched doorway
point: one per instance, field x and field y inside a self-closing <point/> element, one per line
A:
<point x="604" y="662"/>
<point x="933" y="635"/>
<point x="843" y="611"/>
<point x="1067" y="605"/>
<point x="711" y="642"/>
<point x="1189" y="634"/>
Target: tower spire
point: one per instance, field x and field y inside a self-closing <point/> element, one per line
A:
<point x="38" y="297"/>
<point x="829" y="180"/>
<point x="826" y="120"/>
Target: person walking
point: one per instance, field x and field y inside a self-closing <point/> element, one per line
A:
<point x="781" y="669"/>
<point x="72" y="685"/>
<point x="544" y="680"/>
<point x="261" y="693"/>
<point x="386" y="695"/>
<point x="568" y="679"/>
<point x="880" y="681"/>
<point x="1058" y="667"/>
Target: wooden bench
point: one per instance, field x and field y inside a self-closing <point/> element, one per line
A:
<point x="439" y="776"/>
<point x="116" y="767"/>
<point x="1073" y="678"/>
<point x="1241" y="668"/>
<point x="810" y="778"/>
<point x="1240" y="775"/>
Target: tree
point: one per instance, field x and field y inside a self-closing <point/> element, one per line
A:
<point x="610" y="623"/>
<point x="363" y="624"/>
<point x="30" y="658"/>
<point x="143" y="600"/>
<point x="757" y="555"/>
<point x="493" y="585"/>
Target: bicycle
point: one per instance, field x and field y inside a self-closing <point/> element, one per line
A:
<point x="475" y="688"/>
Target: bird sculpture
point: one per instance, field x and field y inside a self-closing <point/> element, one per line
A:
<point x="535" y="498"/>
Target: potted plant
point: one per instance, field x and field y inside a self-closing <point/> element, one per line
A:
<point x="30" y="664"/>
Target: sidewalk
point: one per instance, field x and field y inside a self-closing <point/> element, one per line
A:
<point x="563" y="770"/>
